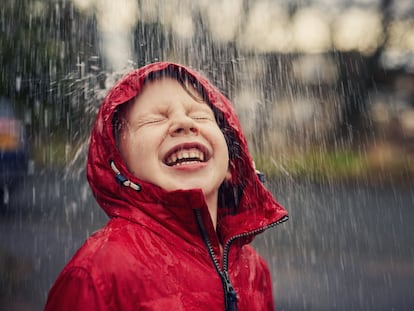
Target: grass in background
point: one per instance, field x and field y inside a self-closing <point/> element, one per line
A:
<point x="336" y="165"/>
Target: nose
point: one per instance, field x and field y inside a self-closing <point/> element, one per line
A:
<point x="183" y="125"/>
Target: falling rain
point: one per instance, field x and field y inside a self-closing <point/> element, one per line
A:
<point x="325" y="93"/>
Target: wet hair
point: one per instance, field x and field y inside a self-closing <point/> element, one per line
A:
<point x="229" y="194"/>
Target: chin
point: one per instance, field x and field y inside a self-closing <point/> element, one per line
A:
<point x="174" y="187"/>
<point x="188" y="187"/>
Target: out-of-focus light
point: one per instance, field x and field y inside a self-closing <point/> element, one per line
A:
<point x="116" y="20"/>
<point x="359" y="30"/>
<point x="84" y="5"/>
<point x="267" y="29"/>
<point x="311" y="31"/>
<point x="182" y="25"/>
<point x="224" y="19"/>
<point x="401" y="35"/>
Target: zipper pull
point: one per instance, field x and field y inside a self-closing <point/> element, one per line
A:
<point x="230" y="293"/>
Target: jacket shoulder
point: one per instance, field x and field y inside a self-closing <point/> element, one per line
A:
<point x="86" y="282"/>
<point x="75" y="289"/>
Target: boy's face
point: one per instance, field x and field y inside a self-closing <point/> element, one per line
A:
<point x="172" y="140"/>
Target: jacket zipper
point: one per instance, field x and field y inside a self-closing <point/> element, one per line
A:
<point x="230" y="295"/>
<point x="254" y="232"/>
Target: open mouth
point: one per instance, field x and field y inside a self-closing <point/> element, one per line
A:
<point x="186" y="155"/>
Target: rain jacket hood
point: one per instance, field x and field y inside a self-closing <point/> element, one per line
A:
<point x="159" y="249"/>
<point x="121" y="194"/>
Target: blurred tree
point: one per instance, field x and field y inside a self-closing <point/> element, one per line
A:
<point x="357" y="75"/>
<point x="41" y="42"/>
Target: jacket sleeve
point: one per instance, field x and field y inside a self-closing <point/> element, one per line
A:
<point x="269" y="302"/>
<point x="264" y="284"/>
<point x="75" y="290"/>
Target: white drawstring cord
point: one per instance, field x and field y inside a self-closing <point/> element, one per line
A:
<point x="121" y="179"/>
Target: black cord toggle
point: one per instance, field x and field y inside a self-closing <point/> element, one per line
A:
<point x="122" y="180"/>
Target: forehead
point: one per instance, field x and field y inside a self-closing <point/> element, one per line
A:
<point x="159" y="93"/>
<point x="162" y="92"/>
<point x="170" y="87"/>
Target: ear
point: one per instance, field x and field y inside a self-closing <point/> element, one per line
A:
<point x="228" y="175"/>
<point x="230" y="168"/>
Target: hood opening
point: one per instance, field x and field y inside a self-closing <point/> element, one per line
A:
<point x="229" y="192"/>
<point x="242" y="195"/>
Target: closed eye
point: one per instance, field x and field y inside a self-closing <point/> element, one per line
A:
<point x="156" y="120"/>
<point x="202" y="114"/>
<point x="137" y="124"/>
<point x="152" y="120"/>
<point x="201" y="117"/>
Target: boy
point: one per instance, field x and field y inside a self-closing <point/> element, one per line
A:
<point x="169" y="165"/>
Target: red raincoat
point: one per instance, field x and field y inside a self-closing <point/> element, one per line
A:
<point x="159" y="250"/>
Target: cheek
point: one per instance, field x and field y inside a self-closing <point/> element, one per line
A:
<point x="224" y="154"/>
<point x="221" y="150"/>
<point x="123" y="144"/>
<point x="137" y="158"/>
<point x="223" y="145"/>
<point x="131" y="150"/>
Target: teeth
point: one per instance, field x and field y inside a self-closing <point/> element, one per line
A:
<point x="192" y="153"/>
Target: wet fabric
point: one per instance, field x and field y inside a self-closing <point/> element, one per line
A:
<point x="151" y="254"/>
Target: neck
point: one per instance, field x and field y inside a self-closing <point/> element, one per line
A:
<point x="212" y="208"/>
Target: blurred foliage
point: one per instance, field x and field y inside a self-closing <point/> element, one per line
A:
<point x="41" y="42"/>
<point x="314" y="164"/>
